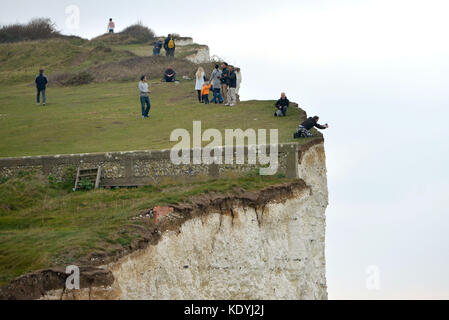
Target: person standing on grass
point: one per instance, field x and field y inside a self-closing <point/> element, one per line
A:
<point x="111" y="26"/>
<point x="170" y="46"/>
<point x="224" y="82"/>
<point x="157" y="48"/>
<point x="304" y="129"/>
<point x="216" y="84"/>
<point x="232" y="86"/>
<point x="199" y="83"/>
<point x="205" y="93"/>
<point x="41" y="86"/>
<point x="239" y="81"/>
<point x="144" y="97"/>
<point x="282" y="105"/>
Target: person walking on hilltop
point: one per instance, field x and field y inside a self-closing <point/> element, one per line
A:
<point x="144" y="97"/>
<point x="111" y="26"/>
<point x="232" y="86"/>
<point x="224" y="82"/>
<point x="170" y="46"/>
<point x="199" y="83"/>
<point x="304" y="129"/>
<point x="216" y="84"/>
<point x="41" y="86"/>
<point x="282" y="106"/>
<point x="157" y="47"/>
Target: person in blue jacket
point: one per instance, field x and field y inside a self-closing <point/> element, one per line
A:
<point x="41" y="86"/>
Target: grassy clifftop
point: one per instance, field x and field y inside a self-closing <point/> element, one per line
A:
<point x="106" y="117"/>
<point x="42" y="226"/>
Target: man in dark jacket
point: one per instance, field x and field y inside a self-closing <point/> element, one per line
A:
<point x="306" y="126"/>
<point x="170" y="46"/>
<point x="41" y="85"/>
<point x="224" y="82"/>
<point x="282" y="105"/>
<point x="157" y="48"/>
<point x="232" y="87"/>
<point x="169" y="75"/>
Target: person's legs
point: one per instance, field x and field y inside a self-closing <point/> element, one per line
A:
<point x="147" y="110"/>
<point x="220" y="97"/>
<point x="38" y="96"/>
<point x="199" y="96"/>
<point x="224" y="92"/>
<point x="284" y="111"/>
<point x="304" y="132"/>
<point x="206" y="99"/>
<point x="44" y="98"/>
<point x="215" y="97"/>
<point x="142" y="103"/>
<point x="231" y="97"/>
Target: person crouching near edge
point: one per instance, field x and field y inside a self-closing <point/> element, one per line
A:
<point x="205" y="93"/>
<point x="41" y="86"/>
<point x="282" y="106"/>
<point x="144" y="97"/>
<point x="304" y="129"/>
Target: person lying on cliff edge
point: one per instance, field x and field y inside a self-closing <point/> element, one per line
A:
<point x="282" y="106"/>
<point x="144" y="97"/>
<point x="169" y="75"/>
<point x="304" y="129"/>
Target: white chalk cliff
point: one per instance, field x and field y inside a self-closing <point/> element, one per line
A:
<point x="276" y="251"/>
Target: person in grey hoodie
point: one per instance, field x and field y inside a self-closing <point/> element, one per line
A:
<point x="144" y="97"/>
<point x="215" y="79"/>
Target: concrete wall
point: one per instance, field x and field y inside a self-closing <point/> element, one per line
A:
<point x="137" y="168"/>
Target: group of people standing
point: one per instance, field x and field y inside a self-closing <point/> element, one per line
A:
<point x="225" y="84"/>
<point x="169" y="45"/>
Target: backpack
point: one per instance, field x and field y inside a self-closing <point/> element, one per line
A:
<point x="171" y="43"/>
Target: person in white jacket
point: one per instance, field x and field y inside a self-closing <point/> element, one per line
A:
<point x="239" y="81"/>
<point x="199" y="83"/>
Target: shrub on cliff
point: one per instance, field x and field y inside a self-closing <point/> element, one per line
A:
<point x="134" y="34"/>
<point x="36" y="29"/>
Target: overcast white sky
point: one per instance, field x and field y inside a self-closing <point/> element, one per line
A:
<point x="377" y="72"/>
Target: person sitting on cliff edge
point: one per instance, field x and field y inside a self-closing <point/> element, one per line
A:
<point x="282" y="106"/>
<point x="304" y="129"/>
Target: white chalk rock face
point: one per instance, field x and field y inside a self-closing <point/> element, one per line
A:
<point x="184" y="42"/>
<point x="201" y="56"/>
<point x="275" y="253"/>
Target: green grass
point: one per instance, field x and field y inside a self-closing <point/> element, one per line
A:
<point x="106" y="117"/>
<point x="43" y="227"/>
<point x="145" y="50"/>
<point x="21" y="61"/>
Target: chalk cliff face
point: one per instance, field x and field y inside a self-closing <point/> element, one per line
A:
<point x="261" y="245"/>
<point x="272" y="251"/>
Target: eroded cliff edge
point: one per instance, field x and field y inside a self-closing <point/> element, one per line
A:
<point x="261" y="245"/>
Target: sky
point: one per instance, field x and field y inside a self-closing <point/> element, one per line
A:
<point x="377" y="72"/>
